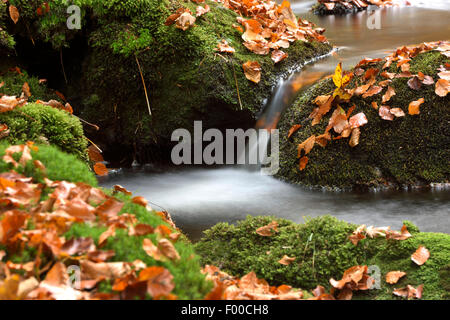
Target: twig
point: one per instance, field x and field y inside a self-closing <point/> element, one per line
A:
<point x="62" y="64"/>
<point x="88" y="123"/>
<point x="237" y="87"/>
<point x="145" y="87"/>
<point x="96" y="146"/>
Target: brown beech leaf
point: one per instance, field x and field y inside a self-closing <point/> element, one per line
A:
<point x="185" y="21"/>
<point x="268" y="230"/>
<point x="444" y="75"/>
<point x="409" y="292"/>
<point x="94" y="154"/>
<point x="374" y="105"/>
<point x="414" y="106"/>
<point x="387" y="75"/>
<point x="199" y="11"/>
<point x="14" y="13"/>
<point x="110" y="232"/>
<point x="420" y="256"/>
<point x="26" y="90"/>
<point x="286" y="260"/>
<point x="293" y="129"/>
<point x="372" y="91"/>
<point x="100" y="169"/>
<point x="167" y="248"/>
<point x="152" y="250"/>
<point x="442" y="87"/>
<point x="140" y="201"/>
<point x="159" y="281"/>
<point x="354" y="139"/>
<point x="414" y="83"/>
<point x="390" y="92"/>
<point x="392" y="277"/>
<point x="252" y="71"/>
<point x="224" y="47"/>
<point x="358" y="120"/>
<point x="306" y="145"/>
<point x="303" y="162"/>
<point x="119" y="188"/>
<point x="385" y="113"/>
<point x="398" y="112"/>
<point x="278" y="55"/>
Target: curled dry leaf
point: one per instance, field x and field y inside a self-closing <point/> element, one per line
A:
<point x="119" y="188"/>
<point x="100" y="169"/>
<point x="303" y="162"/>
<point x="306" y="145"/>
<point x="385" y="113"/>
<point x="252" y="71"/>
<point x="286" y="260"/>
<point x="358" y="120"/>
<point x="397" y="112"/>
<point x="199" y="11"/>
<point x="224" y="47"/>
<point x="354" y="139"/>
<point x="278" y="55"/>
<point x="293" y="129"/>
<point x="168" y="249"/>
<point x="420" y="256"/>
<point x="140" y="201"/>
<point x="268" y="230"/>
<point x="14" y="13"/>
<point x="392" y="277"/>
<point x="409" y="292"/>
<point x="152" y="250"/>
<point x="159" y="281"/>
<point x="390" y="92"/>
<point x="414" y="83"/>
<point x="442" y="87"/>
<point x="414" y="106"/>
<point x="372" y="91"/>
<point x="185" y="21"/>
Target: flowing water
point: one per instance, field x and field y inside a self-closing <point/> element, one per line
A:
<point x="198" y="198"/>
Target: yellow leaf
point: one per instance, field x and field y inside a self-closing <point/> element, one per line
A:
<point x="337" y="77"/>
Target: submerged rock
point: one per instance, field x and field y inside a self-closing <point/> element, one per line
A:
<point x="410" y="150"/>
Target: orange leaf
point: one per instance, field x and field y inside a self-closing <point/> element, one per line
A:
<point x="420" y="256"/>
<point x="267" y="231"/>
<point x="286" y="260"/>
<point x="393" y="276"/>
<point x="293" y="129"/>
<point x="100" y="169"/>
<point x="140" y="201"/>
<point x="442" y="87"/>
<point x="303" y="162"/>
<point x="14" y="13"/>
<point x="252" y="71"/>
<point x="414" y="106"/>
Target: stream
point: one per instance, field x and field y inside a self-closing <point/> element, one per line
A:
<point x="199" y="197"/>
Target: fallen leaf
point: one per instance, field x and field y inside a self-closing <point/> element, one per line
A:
<point x="278" y="55"/>
<point x="358" y="120"/>
<point x="420" y="256"/>
<point x="14" y="13"/>
<point x="398" y="112"/>
<point x="100" y="169"/>
<point x="268" y="230"/>
<point x="252" y="71"/>
<point x="392" y="277"/>
<point x="303" y="162"/>
<point x="286" y="260"/>
<point x="409" y="292"/>
<point x="306" y="145"/>
<point x="293" y="129"/>
<point x="414" y="106"/>
<point x="385" y="113"/>
<point x="354" y="139"/>
<point x="390" y="92"/>
<point x="442" y="87"/>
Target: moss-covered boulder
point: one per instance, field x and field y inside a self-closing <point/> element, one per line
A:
<point x="323" y="250"/>
<point x="36" y="121"/>
<point x="59" y="165"/>
<point x="189" y="282"/>
<point x="410" y="150"/>
<point x="186" y="79"/>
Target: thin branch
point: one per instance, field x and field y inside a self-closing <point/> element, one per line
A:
<point x="145" y="87"/>
<point x="62" y="65"/>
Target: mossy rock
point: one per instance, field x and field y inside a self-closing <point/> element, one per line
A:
<point x="59" y="165"/>
<point x="411" y="150"/>
<point x="189" y="282"/>
<point x="185" y="78"/>
<point x="44" y="124"/>
<point x="323" y="251"/>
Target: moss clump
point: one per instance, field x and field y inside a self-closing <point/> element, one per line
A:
<point x="59" y="165"/>
<point x="190" y="283"/>
<point x="407" y="151"/>
<point x="44" y="124"/>
<point x="322" y="251"/>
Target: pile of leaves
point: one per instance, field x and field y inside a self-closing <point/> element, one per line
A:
<point x="364" y="78"/>
<point x="330" y="5"/>
<point x="270" y="27"/>
<point x="34" y="216"/>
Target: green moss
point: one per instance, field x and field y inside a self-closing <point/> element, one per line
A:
<point x="408" y="150"/>
<point x="44" y="124"/>
<point x="322" y="251"/>
<point x="59" y="166"/>
<point x="189" y="281"/>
